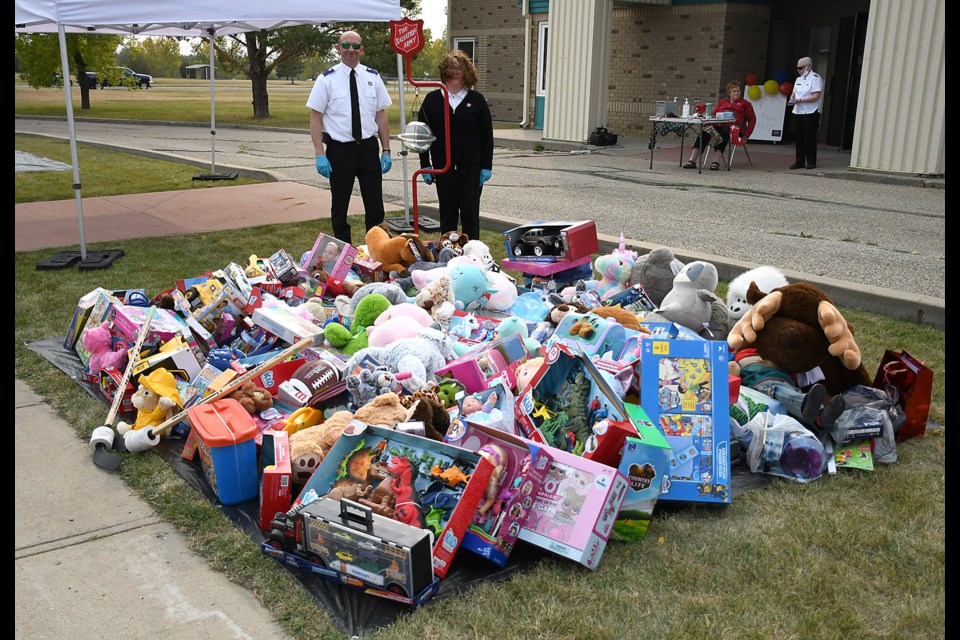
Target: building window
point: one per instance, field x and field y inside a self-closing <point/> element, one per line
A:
<point x="466" y="45"/>
<point x="542" y="59"/>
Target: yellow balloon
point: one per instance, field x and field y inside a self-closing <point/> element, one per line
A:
<point x="754" y="92"/>
<point x="772" y="87"/>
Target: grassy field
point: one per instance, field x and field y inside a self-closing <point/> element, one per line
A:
<point x="856" y="555"/>
<point x="190" y="101"/>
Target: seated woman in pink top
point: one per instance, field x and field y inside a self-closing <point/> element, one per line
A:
<point x="744" y="116"/>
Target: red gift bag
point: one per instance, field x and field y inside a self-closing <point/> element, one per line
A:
<point x="914" y="381"/>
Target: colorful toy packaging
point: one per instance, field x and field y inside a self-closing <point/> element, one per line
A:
<point x="684" y="391"/>
<point x="481" y="365"/>
<point x="552" y="241"/>
<point x="573" y="512"/>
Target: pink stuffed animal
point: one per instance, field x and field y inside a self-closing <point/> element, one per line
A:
<point x="102" y="355"/>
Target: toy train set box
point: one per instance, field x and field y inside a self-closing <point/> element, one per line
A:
<point x="520" y="468"/>
<point x="683" y="388"/>
<point x="552" y="241"/>
<point x="420" y="482"/>
<point x="223" y="433"/>
<point x="574" y="510"/>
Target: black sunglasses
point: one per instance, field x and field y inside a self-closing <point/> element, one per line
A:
<point x="801" y="68"/>
<point x="356" y="45"/>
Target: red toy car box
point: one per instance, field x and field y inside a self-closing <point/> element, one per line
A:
<point x="552" y="241"/>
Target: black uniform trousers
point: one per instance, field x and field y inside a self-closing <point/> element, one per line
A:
<point x="349" y="162"/>
<point x="805" y="128"/>
<point x="458" y="193"/>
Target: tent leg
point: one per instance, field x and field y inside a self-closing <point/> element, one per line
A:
<point x="213" y="175"/>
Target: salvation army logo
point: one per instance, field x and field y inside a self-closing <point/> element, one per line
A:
<point x="406" y="36"/>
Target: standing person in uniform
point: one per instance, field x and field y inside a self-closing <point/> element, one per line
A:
<point x="807" y="92"/>
<point x="346" y="116"/>
<point x="471" y="145"/>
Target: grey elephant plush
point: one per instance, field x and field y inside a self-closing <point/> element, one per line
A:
<point x="655" y="272"/>
<point x="691" y="301"/>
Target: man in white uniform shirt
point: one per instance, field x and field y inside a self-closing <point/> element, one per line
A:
<point x="807" y="92"/>
<point x="347" y="116"/>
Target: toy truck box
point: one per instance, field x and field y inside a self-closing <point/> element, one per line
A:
<point x="552" y="241"/>
<point x="346" y="542"/>
<point x="421" y="482"/>
<point x="574" y="510"/>
<point x="508" y="500"/>
<point x="482" y="365"/>
<point x="276" y="479"/>
<point x="644" y="463"/>
<point x="683" y="389"/>
<point x="336" y="261"/>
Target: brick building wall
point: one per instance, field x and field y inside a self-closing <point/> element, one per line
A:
<point x="657" y="52"/>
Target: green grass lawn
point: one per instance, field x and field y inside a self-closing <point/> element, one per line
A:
<point x="190" y="101"/>
<point x="856" y="555"/>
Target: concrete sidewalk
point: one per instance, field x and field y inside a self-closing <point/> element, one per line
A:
<point x="93" y="561"/>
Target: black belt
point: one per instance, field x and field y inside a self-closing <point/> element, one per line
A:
<point x="328" y="140"/>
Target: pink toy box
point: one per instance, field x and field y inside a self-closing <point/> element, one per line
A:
<point x="552" y="241"/>
<point x="411" y="460"/>
<point x="128" y="320"/>
<point x="509" y="502"/>
<point x="222" y="432"/>
<point x="487" y="362"/>
<point x="283" y="322"/>
<point x="575" y="508"/>
<point x="336" y="261"/>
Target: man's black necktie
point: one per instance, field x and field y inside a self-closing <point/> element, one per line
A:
<point x="355" y="106"/>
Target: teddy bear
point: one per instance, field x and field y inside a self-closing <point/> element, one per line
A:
<point x="367" y="384"/>
<point x="156" y="398"/>
<point x="767" y="278"/>
<point x="479" y="249"/>
<point x="395" y="254"/>
<point x="351" y="340"/>
<point x="103" y="355"/>
<point x="689" y="301"/>
<point x="655" y="272"/>
<point x="454" y="240"/>
<point x="252" y="397"/>
<point x="421" y="356"/>
<point x="798" y="329"/>
<point x="559" y="310"/>
<point x="438" y="300"/>
<point x="308" y="446"/>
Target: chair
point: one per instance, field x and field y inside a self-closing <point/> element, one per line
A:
<point x="735" y="142"/>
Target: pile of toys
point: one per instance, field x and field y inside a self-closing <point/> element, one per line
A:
<point x="395" y="404"/>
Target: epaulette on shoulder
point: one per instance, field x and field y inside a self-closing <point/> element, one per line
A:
<point x="328" y="71"/>
<point x="373" y="71"/>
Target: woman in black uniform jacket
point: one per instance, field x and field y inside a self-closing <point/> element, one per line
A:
<point x="471" y="145"/>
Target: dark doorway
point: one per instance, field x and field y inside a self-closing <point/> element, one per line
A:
<point x="845" y="83"/>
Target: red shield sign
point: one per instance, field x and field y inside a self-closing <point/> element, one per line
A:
<point x="406" y="36"/>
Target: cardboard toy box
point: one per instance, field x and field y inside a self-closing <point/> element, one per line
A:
<point x="128" y="320"/>
<point x="413" y="461"/>
<point x="493" y="534"/>
<point x="275" y="476"/>
<point x="283" y="322"/>
<point x="574" y="511"/>
<point x="181" y="362"/>
<point x="82" y="313"/>
<point x="644" y="463"/>
<point x="338" y="267"/>
<point x="683" y="389"/>
<point x="595" y="336"/>
<point x="98" y="314"/>
<point x="569" y="382"/>
<point x="222" y="432"/>
<point x="487" y="362"/>
<point x="552" y="241"/>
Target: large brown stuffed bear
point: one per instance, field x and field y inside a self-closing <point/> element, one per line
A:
<point x="797" y="328"/>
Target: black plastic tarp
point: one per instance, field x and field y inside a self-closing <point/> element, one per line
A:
<point x="357" y="613"/>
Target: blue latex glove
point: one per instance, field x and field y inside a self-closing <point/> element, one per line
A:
<point x="485" y="175"/>
<point x="323" y="166"/>
<point x="427" y="177"/>
<point x="385" y="162"/>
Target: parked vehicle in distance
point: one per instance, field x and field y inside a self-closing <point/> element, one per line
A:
<point x="129" y="78"/>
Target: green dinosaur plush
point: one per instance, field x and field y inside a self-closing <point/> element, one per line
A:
<point x="351" y="340"/>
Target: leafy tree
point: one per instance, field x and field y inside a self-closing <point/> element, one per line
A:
<point x="39" y="55"/>
<point x="157" y="56"/>
<point x="426" y="63"/>
<point x="291" y="68"/>
<point x="256" y="54"/>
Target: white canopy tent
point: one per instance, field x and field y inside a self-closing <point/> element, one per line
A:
<point x="191" y="18"/>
